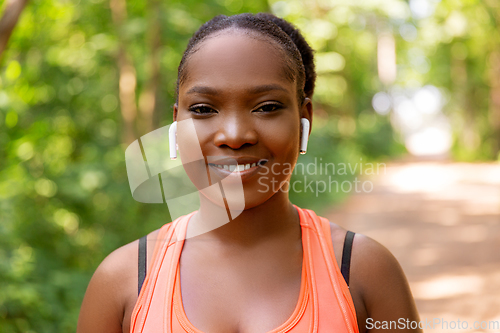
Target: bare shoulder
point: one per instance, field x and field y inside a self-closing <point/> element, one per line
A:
<point x="378" y="285"/>
<point x="104" y="302"/>
<point x="112" y="290"/>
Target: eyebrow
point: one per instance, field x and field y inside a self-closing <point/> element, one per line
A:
<point x="266" y="87"/>
<point x="203" y="90"/>
<point x="254" y="90"/>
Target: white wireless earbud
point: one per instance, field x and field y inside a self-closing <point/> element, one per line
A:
<point x="172" y="140"/>
<point x="304" y="123"/>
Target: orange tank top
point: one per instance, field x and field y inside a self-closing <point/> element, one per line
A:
<point x="325" y="304"/>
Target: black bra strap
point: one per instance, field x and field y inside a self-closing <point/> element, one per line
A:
<point x="142" y="261"/>
<point x="346" y="256"/>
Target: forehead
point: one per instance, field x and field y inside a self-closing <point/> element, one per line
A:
<point x="237" y="60"/>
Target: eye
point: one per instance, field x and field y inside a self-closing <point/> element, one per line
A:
<point x="269" y="107"/>
<point x="201" y="109"/>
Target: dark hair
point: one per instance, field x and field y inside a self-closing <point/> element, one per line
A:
<point x="300" y="62"/>
<point x="306" y="52"/>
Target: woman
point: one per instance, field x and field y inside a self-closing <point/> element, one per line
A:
<point x="245" y="82"/>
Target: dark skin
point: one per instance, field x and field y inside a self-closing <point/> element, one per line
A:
<point x="225" y="278"/>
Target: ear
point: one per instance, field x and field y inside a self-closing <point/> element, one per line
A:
<point x="307" y="111"/>
<point x="176" y="108"/>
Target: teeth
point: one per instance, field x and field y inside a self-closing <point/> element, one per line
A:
<point x="239" y="167"/>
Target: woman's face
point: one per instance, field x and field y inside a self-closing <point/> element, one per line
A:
<point x="244" y="108"/>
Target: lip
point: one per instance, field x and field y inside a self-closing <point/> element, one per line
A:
<point x="228" y="160"/>
<point x="244" y="174"/>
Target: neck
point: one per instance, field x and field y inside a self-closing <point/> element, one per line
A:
<point x="274" y="218"/>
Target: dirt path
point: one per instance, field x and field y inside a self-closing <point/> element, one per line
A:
<point x="442" y="222"/>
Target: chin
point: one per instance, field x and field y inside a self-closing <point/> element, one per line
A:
<point x="262" y="193"/>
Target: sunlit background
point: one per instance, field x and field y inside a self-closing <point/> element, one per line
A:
<point x="413" y="84"/>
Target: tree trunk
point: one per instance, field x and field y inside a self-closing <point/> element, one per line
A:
<point x="12" y="11"/>
<point x="128" y="80"/>
<point x="148" y="102"/>
<point x="495" y="99"/>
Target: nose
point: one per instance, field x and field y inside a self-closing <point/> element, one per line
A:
<point x="235" y="132"/>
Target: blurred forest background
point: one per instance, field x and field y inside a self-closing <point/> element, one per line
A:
<point x="80" y="80"/>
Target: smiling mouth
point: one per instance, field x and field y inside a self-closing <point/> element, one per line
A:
<point x="238" y="167"/>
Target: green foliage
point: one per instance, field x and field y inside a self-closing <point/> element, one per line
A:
<point x="65" y="201"/>
<point x="461" y="42"/>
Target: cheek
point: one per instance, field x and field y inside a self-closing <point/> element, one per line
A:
<point x="282" y="138"/>
<point x="282" y="141"/>
<point x="191" y="154"/>
<point x="198" y="134"/>
<point x="188" y="141"/>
